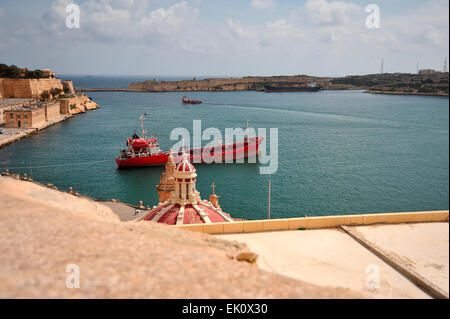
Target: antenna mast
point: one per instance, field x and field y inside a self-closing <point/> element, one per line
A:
<point x="141" y="119"/>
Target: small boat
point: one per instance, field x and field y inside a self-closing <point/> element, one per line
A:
<point x="144" y="151"/>
<point x="187" y="100"/>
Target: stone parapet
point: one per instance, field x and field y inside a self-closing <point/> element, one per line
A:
<point x="318" y="222"/>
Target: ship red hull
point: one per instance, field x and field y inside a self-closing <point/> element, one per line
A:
<point x="192" y="102"/>
<point x="227" y="153"/>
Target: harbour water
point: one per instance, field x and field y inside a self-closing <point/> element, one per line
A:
<point x="340" y="152"/>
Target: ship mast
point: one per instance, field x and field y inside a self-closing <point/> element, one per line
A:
<point x="141" y="119"/>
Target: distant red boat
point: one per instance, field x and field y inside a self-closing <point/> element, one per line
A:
<point x="187" y="100"/>
<point x="142" y="151"/>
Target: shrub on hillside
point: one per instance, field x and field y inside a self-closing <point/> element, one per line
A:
<point x="14" y="72"/>
<point x="36" y="74"/>
<point x="55" y="92"/>
<point x="45" y="96"/>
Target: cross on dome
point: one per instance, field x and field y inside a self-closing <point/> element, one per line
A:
<point x="185" y="165"/>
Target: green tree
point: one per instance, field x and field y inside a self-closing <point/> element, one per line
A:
<point x="55" y="92"/>
<point x="45" y="96"/>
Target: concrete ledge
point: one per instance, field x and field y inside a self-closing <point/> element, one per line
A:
<point x="214" y="228"/>
<point x="317" y="222"/>
<point x="275" y="224"/>
<point x="253" y="226"/>
<point x="236" y="227"/>
<point x="193" y="227"/>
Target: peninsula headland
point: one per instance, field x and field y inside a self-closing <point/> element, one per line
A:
<point x="426" y="82"/>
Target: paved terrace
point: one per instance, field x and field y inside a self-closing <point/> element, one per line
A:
<point x="14" y="134"/>
<point x="407" y="252"/>
<point x="330" y="257"/>
<point x="15" y="102"/>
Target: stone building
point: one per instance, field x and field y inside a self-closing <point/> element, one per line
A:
<point x="68" y="87"/>
<point x="182" y="202"/>
<point x="9" y="104"/>
<point x="47" y="73"/>
<point x="25" y="117"/>
<point x="65" y="106"/>
<point x="427" y="71"/>
<point x="33" y="115"/>
<point x="52" y="111"/>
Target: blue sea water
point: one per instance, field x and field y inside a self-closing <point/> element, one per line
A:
<point x="340" y="152"/>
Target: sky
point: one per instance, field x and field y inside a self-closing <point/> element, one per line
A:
<point x="224" y="37"/>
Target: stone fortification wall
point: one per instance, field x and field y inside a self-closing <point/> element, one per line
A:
<point x="27" y="88"/>
<point x="15" y="88"/>
<point x="52" y="111"/>
<point x="68" y="87"/>
<point x="39" y="85"/>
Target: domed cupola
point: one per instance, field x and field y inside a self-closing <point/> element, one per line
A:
<point x="184" y="206"/>
<point x="185" y="177"/>
<point x="185" y="165"/>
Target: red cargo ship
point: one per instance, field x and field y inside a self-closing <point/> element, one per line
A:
<point x="142" y="151"/>
<point x="187" y="100"/>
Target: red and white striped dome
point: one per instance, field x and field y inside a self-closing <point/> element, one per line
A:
<point x="185" y="166"/>
<point x="172" y="214"/>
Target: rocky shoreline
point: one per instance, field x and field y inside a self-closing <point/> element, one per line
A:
<point x="407" y="93"/>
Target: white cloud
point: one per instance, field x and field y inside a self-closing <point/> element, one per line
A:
<point x="262" y="4"/>
<point x="238" y="31"/>
<point x="281" y="29"/>
<point x="418" y="28"/>
<point x="126" y="21"/>
<point x="2" y="12"/>
<point x="330" y="13"/>
<point x="433" y="35"/>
